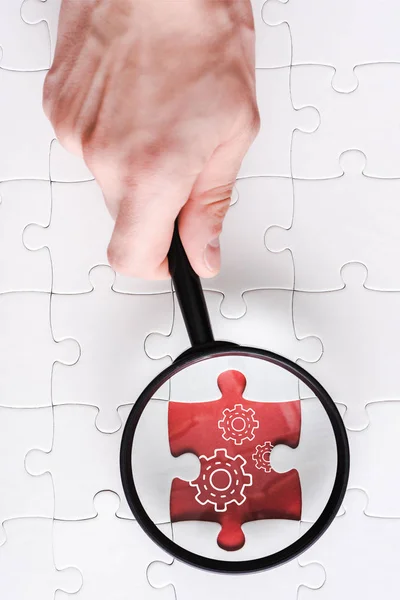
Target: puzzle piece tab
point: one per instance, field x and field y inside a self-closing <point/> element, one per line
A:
<point x="233" y="438"/>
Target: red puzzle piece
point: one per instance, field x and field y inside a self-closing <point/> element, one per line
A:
<point x="233" y="438"/>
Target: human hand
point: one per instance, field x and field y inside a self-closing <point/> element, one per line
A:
<point x="158" y="96"/>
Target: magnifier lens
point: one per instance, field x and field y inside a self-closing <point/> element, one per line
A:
<point x="234" y="461"/>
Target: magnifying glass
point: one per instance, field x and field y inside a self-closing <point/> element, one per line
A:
<point x="223" y="476"/>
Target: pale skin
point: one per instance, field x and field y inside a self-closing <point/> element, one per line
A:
<point x="158" y="97"/>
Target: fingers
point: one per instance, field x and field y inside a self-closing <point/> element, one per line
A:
<point x="144" y="225"/>
<point x="201" y="219"/>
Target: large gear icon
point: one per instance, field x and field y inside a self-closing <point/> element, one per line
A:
<point x="238" y="424"/>
<point x="222" y="480"/>
<point x="262" y="456"/>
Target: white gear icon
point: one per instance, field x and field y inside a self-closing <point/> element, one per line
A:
<point x="238" y="424"/>
<point x="262" y="456"/>
<point x="222" y="480"/>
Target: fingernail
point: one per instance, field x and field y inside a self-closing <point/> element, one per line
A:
<point x="212" y="255"/>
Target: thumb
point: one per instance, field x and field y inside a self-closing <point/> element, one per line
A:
<point x="201" y="219"/>
<point x="145" y="222"/>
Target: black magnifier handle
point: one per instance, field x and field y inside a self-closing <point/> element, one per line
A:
<point x="189" y="293"/>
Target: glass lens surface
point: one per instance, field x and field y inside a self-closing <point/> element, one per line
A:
<point x="235" y="462"/>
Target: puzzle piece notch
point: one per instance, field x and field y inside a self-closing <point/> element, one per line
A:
<point x="247" y="264"/>
<point x="246" y="492"/>
<point x="43" y="12"/>
<point x="273" y="45"/>
<point x="28" y="550"/>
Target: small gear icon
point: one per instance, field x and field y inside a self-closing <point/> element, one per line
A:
<point x="222" y="480"/>
<point x="238" y="424"/>
<point x="262" y="456"/>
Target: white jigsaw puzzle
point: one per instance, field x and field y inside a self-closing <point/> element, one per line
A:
<point x="315" y="210"/>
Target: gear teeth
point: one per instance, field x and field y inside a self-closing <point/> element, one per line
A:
<point x="209" y="493"/>
<point x="246" y="416"/>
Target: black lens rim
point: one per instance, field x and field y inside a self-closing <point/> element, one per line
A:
<point x="245" y="566"/>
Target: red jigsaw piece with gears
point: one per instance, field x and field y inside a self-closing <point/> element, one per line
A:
<point x="233" y="438"/>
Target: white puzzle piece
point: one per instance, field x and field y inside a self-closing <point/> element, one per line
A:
<point x="22" y="48"/>
<point x="374" y="463"/>
<point x="21" y="494"/>
<point x="246" y="263"/>
<point x="22" y="202"/>
<point x="112" y="554"/>
<point x="28" y="350"/>
<point x="273" y="44"/>
<point x="43" y="13"/>
<point x="315" y="458"/>
<point x="363" y="211"/>
<point x="359" y="554"/>
<point x="113" y="368"/>
<point x="342" y="34"/>
<point x="197" y="584"/>
<point x="270" y="153"/>
<point x="26" y="133"/>
<point x="27" y="569"/>
<point x="82" y="462"/>
<point x="358" y="327"/>
<point x="153" y="466"/>
<point x="66" y="167"/>
<point x="80" y="222"/>
<point x="363" y="120"/>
